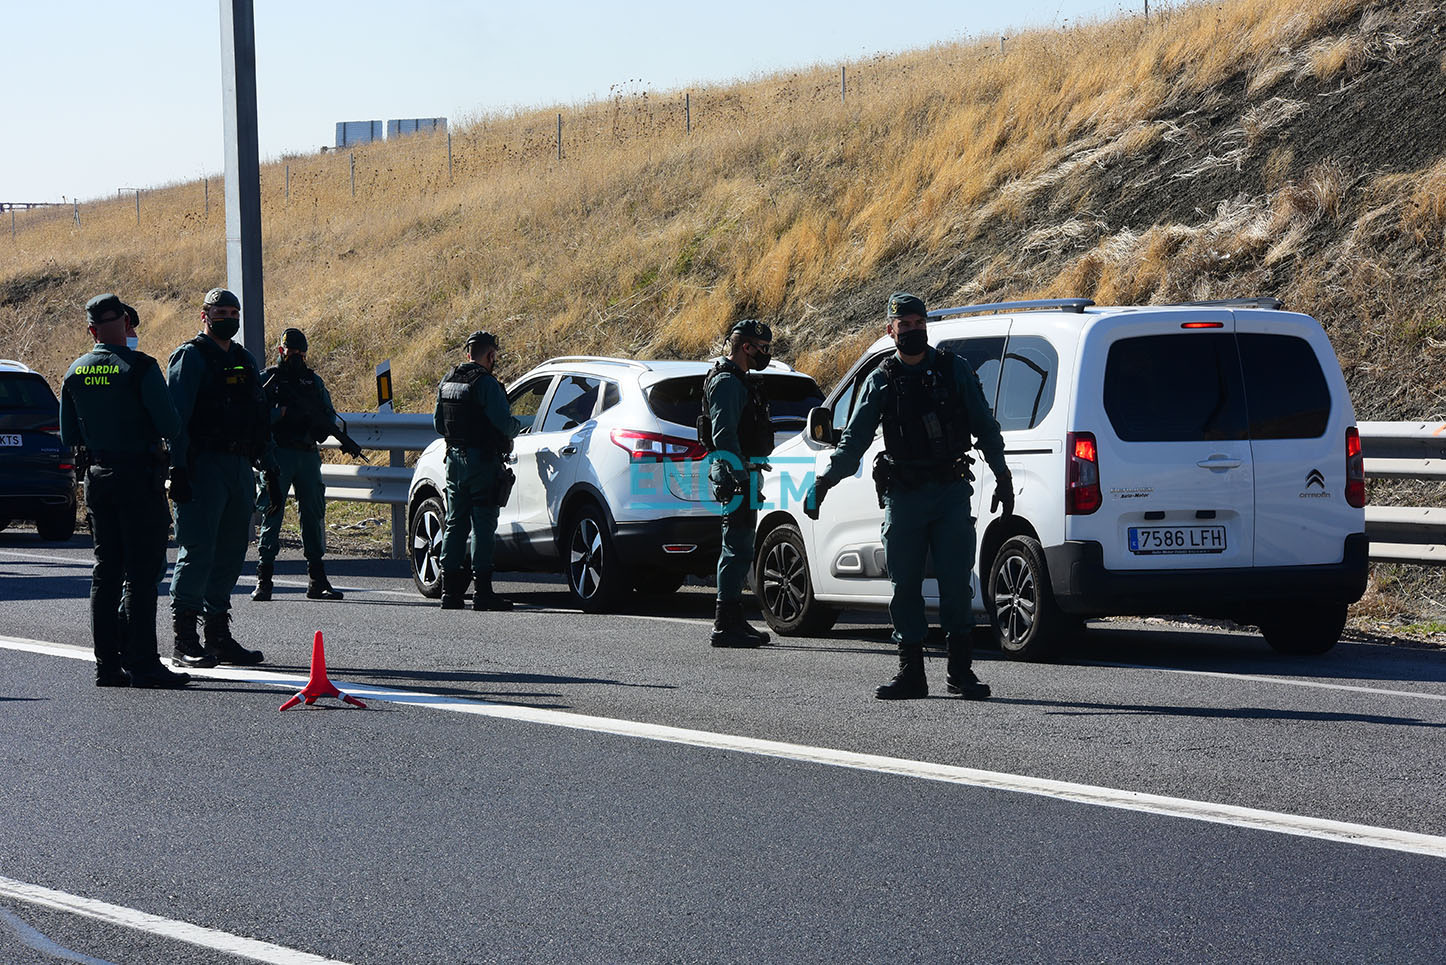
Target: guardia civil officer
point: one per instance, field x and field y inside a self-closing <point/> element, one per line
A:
<point x="933" y="410"/>
<point x="225" y="430"/>
<point x="474" y="416"/>
<point x="742" y="436"/>
<point x="301" y="416"/>
<point x="114" y="404"/>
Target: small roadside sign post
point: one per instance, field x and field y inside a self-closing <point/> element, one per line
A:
<point x="397" y="458"/>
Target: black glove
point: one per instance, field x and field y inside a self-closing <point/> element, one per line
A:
<point x="180" y="484"/>
<point x="350" y="448"/>
<point x="274" y="493"/>
<point x="1003" y="494"/>
<point x="814" y="499"/>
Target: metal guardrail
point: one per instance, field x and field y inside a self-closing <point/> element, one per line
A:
<point x="1392" y="450"/>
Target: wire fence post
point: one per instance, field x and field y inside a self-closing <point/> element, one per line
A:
<point x="1001" y="43"/>
<point x="687" y="113"/>
<point x="353" y="174"/>
<point x="559" y="137"/>
<point x="138" y="206"/>
<point x="288" y="182"/>
<point x="12" y="224"/>
<point x="843" y="85"/>
<point x="1147" y="9"/>
<point x="207" y="189"/>
<point x="77" y="213"/>
<point x="449" y="156"/>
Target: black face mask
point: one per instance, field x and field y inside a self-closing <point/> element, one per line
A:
<point x="913" y="342"/>
<point x="761" y="359"/>
<point x="225" y="327"/>
<point x="294" y="363"/>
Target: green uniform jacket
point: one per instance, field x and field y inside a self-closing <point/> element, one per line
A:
<point x="859" y="433"/>
<point x="103" y="408"/>
<point x="487" y="393"/>
<point x="187" y="372"/>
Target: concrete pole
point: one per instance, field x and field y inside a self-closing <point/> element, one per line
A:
<point x="243" y="171"/>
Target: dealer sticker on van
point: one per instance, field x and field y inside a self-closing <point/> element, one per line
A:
<point x="1151" y="540"/>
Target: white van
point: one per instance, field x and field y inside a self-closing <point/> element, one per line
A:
<point x="1199" y="458"/>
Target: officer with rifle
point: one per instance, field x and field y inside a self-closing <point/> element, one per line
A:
<point x="301" y="416"/>
<point x="116" y="413"/>
<point x="739" y="432"/>
<point x="472" y="413"/>
<point x="225" y="431"/>
<point x="933" y="410"/>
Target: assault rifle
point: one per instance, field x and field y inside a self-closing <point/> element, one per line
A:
<point x="313" y="413"/>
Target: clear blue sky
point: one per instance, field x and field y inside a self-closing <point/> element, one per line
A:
<point x="101" y="95"/>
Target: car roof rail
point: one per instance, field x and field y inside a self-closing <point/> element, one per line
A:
<point x="602" y="359"/>
<point x="1262" y="301"/>
<point x="1068" y="304"/>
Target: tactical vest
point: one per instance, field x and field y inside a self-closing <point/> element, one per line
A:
<point x="464" y="421"/>
<point x="300" y="394"/>
<point x="106" y="390"/>
<point x="755" y="425"/>
<point x="926" y="422"/>
<point x="231" y="414"/>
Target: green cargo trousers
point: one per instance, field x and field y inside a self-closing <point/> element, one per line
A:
<point x="300" y="471"/>
<point x="472" y="510"/>
<point x="212" y="531"/>
<point x="735" y="557"/>
<point x="934" y="516"/>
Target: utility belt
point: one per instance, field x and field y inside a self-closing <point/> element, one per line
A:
<point x="154" y="462"/>
<point x="302" y="446"/>
<point x="506" y="478"/>
<point x="890" y="475"/>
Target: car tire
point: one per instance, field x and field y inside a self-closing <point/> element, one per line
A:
<point x="594" y="573"/>
<point x="1304" y="630"/>
<point x="654" y="581"/>
<point x="57" y="527"/>
<point x="424" y="541"/>
<point x="784" y="588"/>
<point x="1026" y="621"/>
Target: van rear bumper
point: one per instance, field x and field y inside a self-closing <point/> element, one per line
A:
<point x="1082" y="586"/>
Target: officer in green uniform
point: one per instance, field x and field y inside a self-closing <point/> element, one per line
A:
<point x="225" y="429"/>
<point x="474" y="416"/>
<point x="933" y="409"/>
<point x="114" y="404"/>
<point x="742" y="435"/>
<point x="301" y="416"/>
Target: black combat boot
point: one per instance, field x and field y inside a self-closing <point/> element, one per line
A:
<point x="909" y="683"/>
<point x="188" y="652"/>
<point x="487" y="598"/>
<point x="317" y="585"/>
<point x="961" y="679"/>
<point x="750" y="629"/>
<point x="730" y="629"/>
<point x="264" y="569"/>
<point x="111" y="674"/>
<point x="454" y="589"/>
<point x="222" y="647"/>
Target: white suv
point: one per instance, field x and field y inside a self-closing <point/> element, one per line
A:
<point x="611" y="479"/>
<point x="1198" y="458"/>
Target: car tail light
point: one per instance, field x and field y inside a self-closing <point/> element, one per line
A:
<point x="1082" y="487"/>
<point x="1355" y="470"/>
<point x="655" y="447"/>
<point x="54" y="428"/>
<point x="1202" y="325"/>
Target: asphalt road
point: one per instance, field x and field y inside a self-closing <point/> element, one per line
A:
<point x="419" y="832"/>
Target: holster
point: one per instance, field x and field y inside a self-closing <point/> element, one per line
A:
<point x="883" y="475"/>
<point x="723" y="481"/>
<point x="506" y="479"/>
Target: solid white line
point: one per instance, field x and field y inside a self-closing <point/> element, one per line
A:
<point x="32" y="937"/>
<point x="77" y="561"/>
<point x="1260" y="678"/>
<point x="1243" y="817"/>
<point x="180" y="931"/>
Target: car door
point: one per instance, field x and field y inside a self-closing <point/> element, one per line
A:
<point x="525" y="399"/>
<point x="557" y="448"/>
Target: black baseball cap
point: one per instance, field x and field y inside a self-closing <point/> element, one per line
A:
<point x="481" y="340"/>
<point x="104" y="308"/>
<point x="294" y="339"/>
<point x="221" y="297"/>
<point x="902" y="303"/>
<point x="752" y="328"/>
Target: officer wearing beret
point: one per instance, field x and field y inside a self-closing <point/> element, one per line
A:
<point x="933" y="409"/>
<point x="225" y="431"/>
<point x="472" y="413"/>
<point x="301" y="416"/>
<point x="742" y="436"/>
<point x="114" y="404"/>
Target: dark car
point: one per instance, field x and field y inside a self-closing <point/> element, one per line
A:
<point x="37" y="474"/>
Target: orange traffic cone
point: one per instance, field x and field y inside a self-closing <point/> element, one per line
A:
<point x="319" y="685"/>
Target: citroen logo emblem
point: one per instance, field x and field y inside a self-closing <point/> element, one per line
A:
<point x="1315" y="478"/>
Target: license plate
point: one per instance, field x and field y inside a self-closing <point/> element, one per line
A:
<point x="1157" y="540"/>
<point x="10" y="439"/>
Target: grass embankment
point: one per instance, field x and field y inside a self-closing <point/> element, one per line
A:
<point x="1244" y="147"/>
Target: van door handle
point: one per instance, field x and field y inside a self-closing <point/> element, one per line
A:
<point x="572" y="451"/>
<point x="1220" y="462"/>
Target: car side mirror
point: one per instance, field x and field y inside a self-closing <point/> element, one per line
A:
<point x="820" y="426"/>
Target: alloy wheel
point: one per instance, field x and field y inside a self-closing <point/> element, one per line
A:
<point x="785" y="582"/>
<point x="1016" y="599"/>
<point x="586" y="559"/>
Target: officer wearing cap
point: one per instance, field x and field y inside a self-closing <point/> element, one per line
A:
<point x="742" y="434"/>
<point x="472" y="413"/>
<point x="933" y="410"/>
<point x="114" y="404"/>
<point x="225" y="430"/>
<point x="301" y="416"/>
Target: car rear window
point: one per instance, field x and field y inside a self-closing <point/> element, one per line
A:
<point x="23" y="391"/>
<point x="681" y="400"/>
<point x="1175" y="388"/>
<point x="1285" y="389"/>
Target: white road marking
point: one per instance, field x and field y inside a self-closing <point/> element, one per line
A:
<point x="180" y="931"/>
<point x="76" y="561"/>
<point x="1229" y="814"/>
<point x="1260" y="678"/>
<point x="32" y="937"/>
